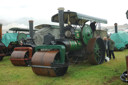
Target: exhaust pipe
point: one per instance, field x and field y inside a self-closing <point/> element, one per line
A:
<point x="116" y="28"/>
<point x="61" y="22"/>
<point x="0" y="31"/>
<point x="31" y="28"/>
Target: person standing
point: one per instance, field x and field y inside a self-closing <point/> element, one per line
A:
<point x="111" y="48"/>
<point x="93" y="27"/>
<point x="106" y="43"/>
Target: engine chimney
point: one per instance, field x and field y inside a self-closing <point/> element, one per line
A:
<point x="116" y="28"/>
<point x="0" y="31"/>
<point x="31" y="28"/>
<point x="127" y="14"/>
<point x="61" y="21"/>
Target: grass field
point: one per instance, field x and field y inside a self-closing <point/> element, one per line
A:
<point x="107" y="73"/>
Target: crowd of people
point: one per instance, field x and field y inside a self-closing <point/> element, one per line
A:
<point x="109" y="46"/>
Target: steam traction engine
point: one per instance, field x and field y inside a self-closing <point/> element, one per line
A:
<point x="75" y="43"/>
<point x="21" y="56"/>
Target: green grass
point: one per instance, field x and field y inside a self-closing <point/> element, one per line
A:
<point x="107" y="73"/>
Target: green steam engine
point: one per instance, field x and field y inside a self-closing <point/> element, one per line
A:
<point x="77" y="43"/>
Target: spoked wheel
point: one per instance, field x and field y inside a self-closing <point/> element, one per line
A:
<point x="20" y="58"/>
<point x="96" y="51"/>
<point x="47" y="64"/>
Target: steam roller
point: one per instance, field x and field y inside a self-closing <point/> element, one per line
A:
<point x="21" y="56"/>
<point x="49" y="63"/>
<point x="77" y="43"/>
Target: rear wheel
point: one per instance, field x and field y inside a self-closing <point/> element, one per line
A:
<point x="96" y="51"/>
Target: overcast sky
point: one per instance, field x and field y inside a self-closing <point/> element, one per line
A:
<point x="18" y="12"/>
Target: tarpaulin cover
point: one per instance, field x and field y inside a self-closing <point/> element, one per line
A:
<point x="39" y="35"/>
<point x="120" y="39"/>
<point x="9" y="37"/>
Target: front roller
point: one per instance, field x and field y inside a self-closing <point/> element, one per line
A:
<point x="51" y="62"/>
<point x="21" y="56"/>
<point x="96" y="51"/>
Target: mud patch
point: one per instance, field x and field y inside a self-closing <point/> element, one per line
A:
<point x="114" y="78"/>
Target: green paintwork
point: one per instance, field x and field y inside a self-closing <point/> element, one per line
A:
<point x="77" y="18"/>
<point x="86" y="34"/>
<point x="77" y="34"/>
<point x="21" y="36"/>
<point x="97" y="52"/>
<point x="61" y="48"/>
<point x="79" y="44"/>
<point x="75" y="45"/>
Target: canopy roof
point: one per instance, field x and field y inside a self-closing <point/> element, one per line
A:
<point x="46" y="25"/>
<point x="19" y="29"/>
<point x="77" y="18"/>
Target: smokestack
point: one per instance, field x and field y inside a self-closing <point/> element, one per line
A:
<point x="127" y="14"/>
<point x="116" y="28"/>
<point x="0" y="31"/>
<point x="31" y="28"/>
<point x="61" y="21"/>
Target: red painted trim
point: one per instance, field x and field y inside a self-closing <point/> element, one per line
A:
<point x="20" y="59"/>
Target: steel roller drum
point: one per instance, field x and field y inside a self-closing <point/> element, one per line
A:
<point x="18" y="58"/>
<point x="43" y="64"/>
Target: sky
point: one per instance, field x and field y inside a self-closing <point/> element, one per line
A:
<point x="18" y="12"/>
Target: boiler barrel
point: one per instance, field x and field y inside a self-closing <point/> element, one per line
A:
<point x="72" y="45"/>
